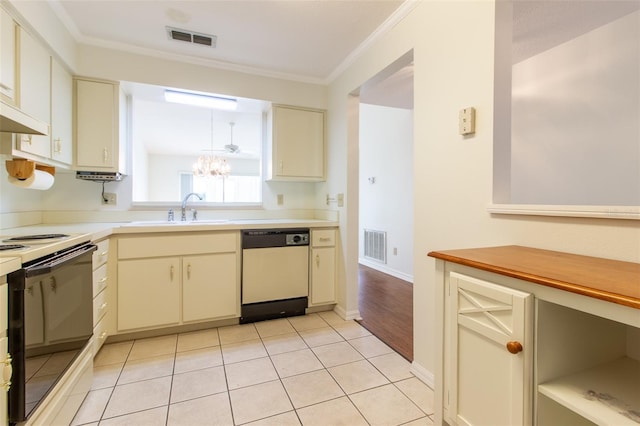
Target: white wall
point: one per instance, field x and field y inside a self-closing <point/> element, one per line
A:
<point x="13" y="198"/>
<point x="386" y="154"/>
<point x="575" y="120"/>
<point x="453" y="47"/>
<point x="69" y="194"/>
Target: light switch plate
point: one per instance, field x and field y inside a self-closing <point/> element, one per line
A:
<point x="467" y="121"/>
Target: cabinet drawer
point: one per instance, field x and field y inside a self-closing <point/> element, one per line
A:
<point x="323" y="238"/>
<point x="99" y="336"/>
<point x="101" y="254"/>
<point x="99" y="279"/>
<point x="99" y="307"/>
<point x="181" y="245"/>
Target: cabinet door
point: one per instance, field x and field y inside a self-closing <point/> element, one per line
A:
<point x="487" y="383"/>
<point x="96" y="125"/>
<point x="209" y="286"/>
<point x="7" y="57"/>
<point x="61" y="113"/>
<point x="148" y="292"/>
<point x="35" y="92"/>
<point x="323" y="270"/>
<point x="4" y="376"/>
<point x="298" y="143"/>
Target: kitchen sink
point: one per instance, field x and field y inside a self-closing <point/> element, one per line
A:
<point x="176" y="222"/>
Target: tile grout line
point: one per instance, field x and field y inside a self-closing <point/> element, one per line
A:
<point x="278" y="374"/>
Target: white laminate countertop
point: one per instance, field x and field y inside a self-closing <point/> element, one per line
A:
<point x="97" y="231"/>
<point x="9" y="264"/>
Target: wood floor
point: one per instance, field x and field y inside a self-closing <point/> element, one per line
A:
<point x="386" y="308"/>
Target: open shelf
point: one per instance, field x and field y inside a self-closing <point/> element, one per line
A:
<point x="608" y="394"/>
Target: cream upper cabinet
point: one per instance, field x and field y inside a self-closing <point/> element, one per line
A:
<point x="61" y="114"/>
<point x="322" y="267"/>
<point x="46" y="93"/>
<point x="98" y="127"/>
<point x="488" y="361"/>
<point x="296" y="148"/>
<point x="7" y="57"/>
<point x="34" y="91"/>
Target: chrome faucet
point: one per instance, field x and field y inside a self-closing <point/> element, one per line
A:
<point x="183" y="216"/>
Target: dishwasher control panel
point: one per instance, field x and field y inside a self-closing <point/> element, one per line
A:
<point x="263" y="238"/>
<point x="297" y="239"/>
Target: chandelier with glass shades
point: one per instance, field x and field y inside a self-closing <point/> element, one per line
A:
<point x="211" y="165"/>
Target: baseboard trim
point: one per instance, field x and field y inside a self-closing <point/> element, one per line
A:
<point x="385" y="269"/>
<point x="347" y="315"/>
<point x="423" y="374"/>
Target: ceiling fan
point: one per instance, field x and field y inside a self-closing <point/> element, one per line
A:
<point x="231" y="148"/>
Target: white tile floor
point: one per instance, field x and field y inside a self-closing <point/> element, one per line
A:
<point x="311" y="370"/>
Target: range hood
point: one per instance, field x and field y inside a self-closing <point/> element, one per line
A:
<point x="12" y="120"/>
<point x="100" y="176"/>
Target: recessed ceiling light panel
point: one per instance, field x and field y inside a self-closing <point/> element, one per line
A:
<point x="191" y="37"/>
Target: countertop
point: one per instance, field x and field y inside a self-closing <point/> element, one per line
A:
<point x="9" y="264"/>
<point x="96" y="231"/>
<point x="611" y="280"/>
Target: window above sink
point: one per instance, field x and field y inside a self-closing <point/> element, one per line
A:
<point x="167" y="139"/>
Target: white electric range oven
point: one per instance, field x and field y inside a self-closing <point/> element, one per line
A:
<point x="50" y="320"/>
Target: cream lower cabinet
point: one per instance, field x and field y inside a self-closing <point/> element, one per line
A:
<point x="536" y="337"/>
<point x="148" y="293"/>
<point x="172" y="280"/>
<point x="322" y="267"/>
<point x="208" y="287"/>
<point x="100" y="294"/>
<point x="5" y="381"/>
<point x="488" y="356"/>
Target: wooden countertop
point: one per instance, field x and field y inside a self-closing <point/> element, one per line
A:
<point x="611" y="280"/>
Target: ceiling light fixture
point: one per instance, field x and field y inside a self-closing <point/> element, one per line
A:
<point x="234" y="149"/>
<point x="211" y="165"/>
<point x="197" y="99"/>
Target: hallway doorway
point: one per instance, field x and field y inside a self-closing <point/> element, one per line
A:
<point x="385" y="205"/>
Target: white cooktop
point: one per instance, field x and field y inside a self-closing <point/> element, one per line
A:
<point x="43" y="244"/>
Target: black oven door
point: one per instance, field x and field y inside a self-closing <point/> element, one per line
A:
<point x="50" y="322"/>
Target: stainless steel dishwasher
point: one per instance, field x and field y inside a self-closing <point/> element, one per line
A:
<point x="275" y="273"/>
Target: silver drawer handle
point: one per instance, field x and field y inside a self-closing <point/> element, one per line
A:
<point x="325" y="239"/>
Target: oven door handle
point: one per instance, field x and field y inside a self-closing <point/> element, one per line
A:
<point x="57" y="262"/>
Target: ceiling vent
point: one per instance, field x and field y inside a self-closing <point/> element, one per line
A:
<point x="191" y="37"/>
